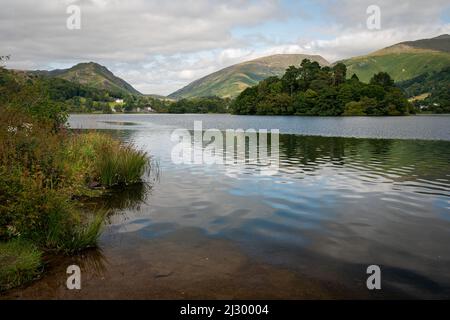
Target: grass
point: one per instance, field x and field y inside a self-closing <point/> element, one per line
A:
<point x="68" y="230"/>
<point x="420" y="97"/>
<point x="126" y="166"/>
<point x="20" y="262"/>
<point x="401" y="66"/>
<point x="80" y="237"/>
<point x="42" y="174"/>
<point x="106" y="161"/>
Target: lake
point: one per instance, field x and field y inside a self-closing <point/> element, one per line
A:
<point x="348" y="193"/>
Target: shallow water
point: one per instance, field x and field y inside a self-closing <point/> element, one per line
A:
<point x="335" y="206"/>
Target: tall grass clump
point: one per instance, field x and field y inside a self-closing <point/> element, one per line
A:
<point x="107" y="162"/>
<point x="123" y="166"/>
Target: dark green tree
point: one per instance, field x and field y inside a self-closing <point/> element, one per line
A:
<point x="339" y="74"/>
<point x="382" y="79"/>
<point x="290" y="80"/>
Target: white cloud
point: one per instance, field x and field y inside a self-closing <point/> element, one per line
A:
<point x="360" y="43"/>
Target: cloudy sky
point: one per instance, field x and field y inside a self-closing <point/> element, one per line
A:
<point x="160" y="46"/>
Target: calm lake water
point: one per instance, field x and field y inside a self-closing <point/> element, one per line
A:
<point x="349" y="193"/>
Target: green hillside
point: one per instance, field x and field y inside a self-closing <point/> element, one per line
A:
<point x="231" y="81"/>
<point x="429" y="91"/>
<point x="93" y="75"/>
<point x="403" y="61"/>
<point x="75" y="97"/>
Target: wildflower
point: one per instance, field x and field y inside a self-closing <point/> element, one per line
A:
<point x="12" y="130"/>
<point x="28" y="126"/>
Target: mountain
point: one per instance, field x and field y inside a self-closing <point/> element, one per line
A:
<point x="93" y="75"/>
<point x="403" y="61"/>
<point x="229" y="82"/>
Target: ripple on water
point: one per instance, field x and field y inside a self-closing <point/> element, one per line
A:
<point x="354" y="201"/>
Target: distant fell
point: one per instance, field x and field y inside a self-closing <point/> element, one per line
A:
<point x="405" y="60"/>
<point x="93" y="75"/>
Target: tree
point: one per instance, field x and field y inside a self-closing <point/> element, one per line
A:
<point x="340" y="74"/>
<point x="382" y="79"/>
<point x="129" y="103"/>
<point x="396" y="103"/>
<point x="354" y="78"/>
<point x="345" y="94"/>
<point x="371" y="107"/>
<point x="276" y="104"/>
<point x="354" y="109"/>
<point x="313" y="90"/>
<point x="89" y="104"/>
<point x="290" y="80"/>
<point x="305" y="101"/>
<point x="246" y="102"/>
<point x="105" y="107"/>
<point x="308" y="72"/>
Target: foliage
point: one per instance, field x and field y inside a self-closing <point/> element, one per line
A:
<point x="20" y="262"/>
<point x="199" y="105"/>
<point x="43" y="168"/>
<point x="322" y="91"/>
<point x="37" y="183"/>
<point x="31" y="97"/>
<point x="58" y="96"/>
<point x="133" y="103"/>
<point x="99" y="159"/>
<point x="436" y="86"/>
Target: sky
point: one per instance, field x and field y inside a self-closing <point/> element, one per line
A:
<point x="161" y="46"/>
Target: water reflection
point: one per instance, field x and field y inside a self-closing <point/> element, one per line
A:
<point x="338" y="201"/>
<point x="335" y="206"/>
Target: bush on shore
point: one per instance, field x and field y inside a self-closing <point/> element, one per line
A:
<point x="106" y="161"/>
<point x="43" y="169"/>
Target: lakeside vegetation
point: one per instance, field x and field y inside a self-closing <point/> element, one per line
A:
<point x="323" y="91"/>
<point x="199" y="105"/>
<point x="45" y="169"/>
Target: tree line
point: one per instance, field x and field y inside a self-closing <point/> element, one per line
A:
<point x="322" y="91"/>
<point x="199" y="105"/>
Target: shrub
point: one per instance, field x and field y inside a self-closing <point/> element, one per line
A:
<point x="354" y="109"/>
<point x="43" y="167"/>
